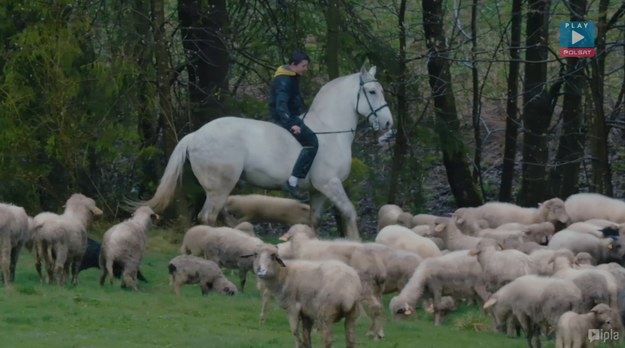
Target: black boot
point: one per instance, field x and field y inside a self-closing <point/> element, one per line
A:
<point x="293" y="192"/>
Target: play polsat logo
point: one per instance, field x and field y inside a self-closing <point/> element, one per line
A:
<point x="577" y="39"/>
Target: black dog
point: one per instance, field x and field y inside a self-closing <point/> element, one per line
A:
<point x="91" y="260"/>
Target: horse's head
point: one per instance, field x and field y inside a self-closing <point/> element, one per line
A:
<point x="370" y="102"/>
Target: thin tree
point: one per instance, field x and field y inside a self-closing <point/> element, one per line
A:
<point x="447" y="125"/>
<point x="512" y="109"/>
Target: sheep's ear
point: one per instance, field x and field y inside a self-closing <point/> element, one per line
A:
<point x="500" y="246"/>
<point x="474" y="252"/>
<point x="491" y="302"/>
<point x="248" y="255"/>
<point x="279" y="261"/>
<point x="285" y="237"/>
<point x="459" y="221"/>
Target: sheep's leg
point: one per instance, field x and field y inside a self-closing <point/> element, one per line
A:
<point x="350" y="328"/>
<point x="263" y="308"/>
<point x="109" y="270"/>
<point x="205" y="288"/>
<point x="103" y="273"/>
<point x="15" y="253"/>
<point x="37" y="257"/>
<point x="242" y="277"/>
<point x="5" y="260"/>
<point x="307" y="324"/>
<point x="375" y="311"/>
<point x="76" y="269"/>
<point x="293" y="315"/>
<point x="527" y="326"/>
<point x="59" y="264"/>
<point x="317" y="202"/>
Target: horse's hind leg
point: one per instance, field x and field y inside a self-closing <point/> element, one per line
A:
<point x="333" y="189"/>
<point x="217" y="183"/>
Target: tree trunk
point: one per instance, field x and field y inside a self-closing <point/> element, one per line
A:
<point x="476" y="104"/>
<point x="536" y="105"/>
<point x="203" y="29"/>
<point x="447" y="126"/>
<point x="601" y="170"/>
<point x="564" y="177"/>
<point x="399" y="151"/>
<point x="333" y="38"/>
<point x="512" y="120"/>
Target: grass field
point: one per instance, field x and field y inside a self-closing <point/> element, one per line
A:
<point x="36" y="315"/>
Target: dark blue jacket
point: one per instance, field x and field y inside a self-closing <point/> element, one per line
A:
<point x="285" y="101"/>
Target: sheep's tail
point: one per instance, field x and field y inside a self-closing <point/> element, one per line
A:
<point x="170" y="180"/>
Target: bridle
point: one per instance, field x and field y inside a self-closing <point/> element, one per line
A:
<point x="373" y="112"/>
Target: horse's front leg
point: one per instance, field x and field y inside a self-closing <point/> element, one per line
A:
<point x="333" y="190"/>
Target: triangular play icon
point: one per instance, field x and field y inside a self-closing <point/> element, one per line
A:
<point x="576" y="37"/>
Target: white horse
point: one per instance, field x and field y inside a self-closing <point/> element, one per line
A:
<point x="231" y="148"/>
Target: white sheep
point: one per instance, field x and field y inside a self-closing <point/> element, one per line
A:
<point x="450" y="274"/>
<point x="400" y="265"/>
<point x="368" y="264"/>
<point x="573" y="329"/>
<point x="195" y="239"/>
<point x="188" y="269"/>
<point x="388" y="214"/>
<point x="403" y="238"/>
<point x="534" y="301"/>
<point x="586" y="206"/>
<point x="256" y="208"/>
<point x="15" y="230"/>
<point x="225" y="245"/>
<point x="61" y="240"/>
<point x="499" y="267"/>
<point x="424" y="220"/>
<point x="601" y="249"/>
<point x="494" y="214"/>
<point x="124" y="244"/>
<point x="543" y="259"/>
<point x="448" y="231"/>
<point x="323" y="291"/>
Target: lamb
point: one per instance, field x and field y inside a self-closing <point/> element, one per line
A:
<point x="225" y="245"/>
<point x="387" y="215"/>
<point x="404" y="219"/>
<point x="601" y="249"/>
<point x="573" y="328"/>
<point x="125" y="244"/>
<point x="539" y="233"/>
<point x="586" y="206"/>
<point x="454" y="240"/>
<point x="453" y="273"/>
<point x="400" y="265"/>
<point x="61" y="240"/>
<point x="259" y="208"/>
<point x="533" y="300"/>
<point x="91" y="259"/>
<point x="402" y="238"/>
<point x="188" y="269"/>
<point x="499" y="267"/>
<point x="15" y="229"/>
<point x="368" y="264"/>
<point x="494" y="214"/>
<point x="585" y="227"/>
<point x="324" y="291"/>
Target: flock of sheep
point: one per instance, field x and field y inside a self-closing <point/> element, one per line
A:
<point x="552" y="270"/>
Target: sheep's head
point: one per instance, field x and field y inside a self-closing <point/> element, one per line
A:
<point x="224" y="286"/>
<point x="602" y="315"/>
<point x="554" y="210"/>
<point x="400" y="308"/>
<point x="266" y="261"/>
<point x="299" y="231"/>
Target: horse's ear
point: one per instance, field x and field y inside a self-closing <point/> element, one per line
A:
<point x="372" y="71"/>
<point x="363" y="69"/>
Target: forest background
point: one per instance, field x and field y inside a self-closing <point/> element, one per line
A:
<point x="95" y="95"/>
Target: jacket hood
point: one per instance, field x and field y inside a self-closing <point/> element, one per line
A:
<point x="282" y="70"/>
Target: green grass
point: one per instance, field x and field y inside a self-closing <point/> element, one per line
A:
<point x="36" y="315"/>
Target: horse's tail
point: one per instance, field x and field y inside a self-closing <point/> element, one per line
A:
<point x="170" y="180"/>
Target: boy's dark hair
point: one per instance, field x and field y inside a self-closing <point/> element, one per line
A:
<point x="298" y="56"/>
